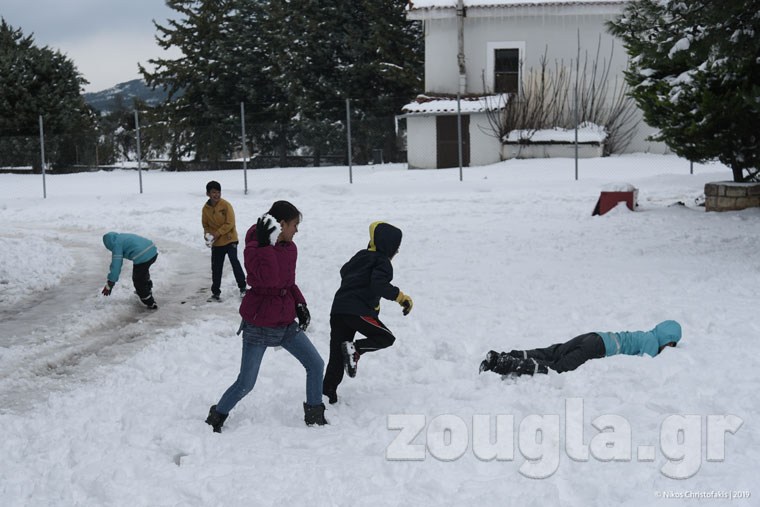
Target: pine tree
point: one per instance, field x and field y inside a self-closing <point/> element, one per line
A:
<point x="35" y="82"/>
<point x="293" y="64"/>
<point x="695" y="74"/>
<point x="328" y="52"/>
<point x="203" y="102"/>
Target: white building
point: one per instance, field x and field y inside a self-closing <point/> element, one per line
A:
<point x="499" y="40"/>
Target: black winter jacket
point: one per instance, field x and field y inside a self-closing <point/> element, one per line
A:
<point x="367" y="276"/>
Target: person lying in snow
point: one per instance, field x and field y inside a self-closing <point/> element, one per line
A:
<point x="562" y="357"/>
<point x="365" y="278"/>
<point x="142" y="252"/>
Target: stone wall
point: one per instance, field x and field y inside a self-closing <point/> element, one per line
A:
<point x="731" y="196"/>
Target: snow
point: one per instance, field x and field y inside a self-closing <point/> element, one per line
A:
<point x="451" y="4"/>
<point x="682" y="45"/>
<point x="430" y="105"/>
<point x="618" y="187"/>
<point x="587" y="133"/>
<point x="103" y="402"/>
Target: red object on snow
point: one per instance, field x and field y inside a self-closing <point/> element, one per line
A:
<point x="608" y="200"/>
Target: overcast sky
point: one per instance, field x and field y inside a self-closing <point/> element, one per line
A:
<point x="104" y="38"/>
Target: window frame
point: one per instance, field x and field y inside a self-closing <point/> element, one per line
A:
<point x="491" y="48"/>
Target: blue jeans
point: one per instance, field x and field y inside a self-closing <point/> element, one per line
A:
<point x="255" y="343"/>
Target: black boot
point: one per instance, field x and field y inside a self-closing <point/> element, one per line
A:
<point x="490" y="361"/>
<point x="149" y="302"/>
<point x="502" y="364"/>
<point x="507" y="364"/>
<point x="529" y="367"/>
<point x="216" y="419"/>
<point x="314" y="414"/>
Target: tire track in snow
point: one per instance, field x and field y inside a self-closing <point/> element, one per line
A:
<point x="59" y="338"/>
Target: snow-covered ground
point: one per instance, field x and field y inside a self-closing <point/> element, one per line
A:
<point x="103" y="403"/>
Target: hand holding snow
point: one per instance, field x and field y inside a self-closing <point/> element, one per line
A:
<point x="269" y="221"/>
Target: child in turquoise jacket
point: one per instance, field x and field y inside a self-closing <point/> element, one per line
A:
<point x="142" y="252"/>
<point x="562" y="357"/>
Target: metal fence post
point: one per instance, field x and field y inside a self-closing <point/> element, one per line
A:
<point x="139" y="156"/>
<point x="348" y="133"/>
<point x="459" y="134"/>
<point x="577" y="70"/>
<point x="245" y="148"/>
<point x="42" y="158"/>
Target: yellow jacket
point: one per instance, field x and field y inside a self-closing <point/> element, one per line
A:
<point x="220" y="220"/>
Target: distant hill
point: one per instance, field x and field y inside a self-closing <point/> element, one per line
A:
<point x="123" y="93"/>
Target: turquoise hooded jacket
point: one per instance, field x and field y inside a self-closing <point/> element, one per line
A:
<point x="127" y="246"/>
<point x="637" y="343"/>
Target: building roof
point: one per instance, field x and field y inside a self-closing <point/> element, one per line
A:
<point x="452" y="4"/>
<point x="426" y="9"/>
<point x="427" y="105"/>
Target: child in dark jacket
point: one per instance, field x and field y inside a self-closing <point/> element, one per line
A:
<point x="364" y="280"/>
<point x="562" y="357"/>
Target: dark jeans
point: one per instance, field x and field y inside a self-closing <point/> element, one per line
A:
<point x="141" y="278"/>
<point x="343" y="328"/>
<point x="218" y="253"/>
<point x="567" y="356"/>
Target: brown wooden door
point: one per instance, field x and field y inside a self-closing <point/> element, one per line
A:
<point x="447" y="149"/>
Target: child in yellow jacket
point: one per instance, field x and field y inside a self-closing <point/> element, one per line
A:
<point x="218" y="220"/>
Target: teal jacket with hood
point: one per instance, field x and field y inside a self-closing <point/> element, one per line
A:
<point x="127" y="246"/>
<point x="637" y="343"/>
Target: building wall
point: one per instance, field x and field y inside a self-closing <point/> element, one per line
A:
<point x="485" y="148"/>
<point x="556" y="36"/>
<point x="420" y="142"/>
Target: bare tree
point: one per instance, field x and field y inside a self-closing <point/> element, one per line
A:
<point x="546" y="101"/>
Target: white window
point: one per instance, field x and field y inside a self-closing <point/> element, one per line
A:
<point x="504" y="66"/>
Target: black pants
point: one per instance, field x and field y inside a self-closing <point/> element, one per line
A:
<point x="343" y="328"/>
<point x="218" y="253"/>
<point x="141" y="280"/>
<point x="567" y="356"/>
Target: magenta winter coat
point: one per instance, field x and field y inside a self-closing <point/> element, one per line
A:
<point x="272" y="299"/>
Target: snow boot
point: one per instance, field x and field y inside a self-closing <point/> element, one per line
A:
<point x="314" y="414"/>
<point x="490" y="361"/>
<point x="216" y="419"/>
<point x="214" y="298"/>
<point x="507" y="364"/>
<point x="519" y="354"/>
<point x="149" y="302"/>
<point x="350" y="358"/>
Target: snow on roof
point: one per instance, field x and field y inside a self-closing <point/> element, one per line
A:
<point x="452" y="4"/>
<point x="425" y="104"/>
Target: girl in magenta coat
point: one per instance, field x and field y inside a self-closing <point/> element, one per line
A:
<point x="269" y="311"/>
